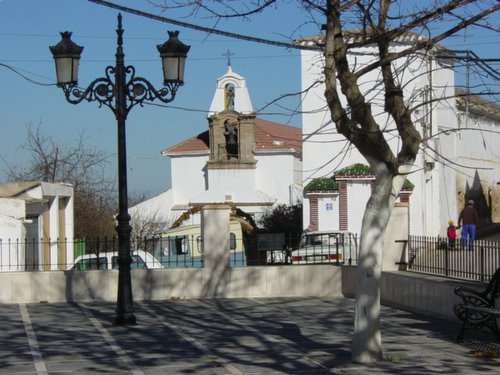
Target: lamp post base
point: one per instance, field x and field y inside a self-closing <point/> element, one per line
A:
<point x="126" y="319"/>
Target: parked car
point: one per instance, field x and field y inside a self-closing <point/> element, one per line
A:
<point x="109" y="260"/>
<point x="326" y="247"/>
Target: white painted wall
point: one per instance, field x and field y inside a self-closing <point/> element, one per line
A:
<point x="358" y="194"/>
<point x="242" y="102"/>
<point x="156" y="208"/>
<point x="70" y="224"/>
<point x="325" y="151"/>
<point x="479" y="159"/>
<point x="188" y="177"/>
<point x="328" y="213"/>
<point x="11" y="234"/>
<point x="14" y="208"/>
<point x="439" y="191"/>
<point x="424" y="294"/>
<point x="275" y="176"/>
<point x="297" y="170"/>
<point x="232" y="185"/>
<point x="276" y="179"/>
<point x="322" y="145"/>
<point x="53" y="231"/>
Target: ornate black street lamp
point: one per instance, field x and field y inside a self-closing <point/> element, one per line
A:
<point x="120" y="90"/>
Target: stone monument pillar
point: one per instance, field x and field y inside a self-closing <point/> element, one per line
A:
<point x="215" y="234"/>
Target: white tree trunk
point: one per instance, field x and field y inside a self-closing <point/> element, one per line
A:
<point x="367" y="341"/>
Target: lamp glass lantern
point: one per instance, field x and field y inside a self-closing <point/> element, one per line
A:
<point x="173" y="55"/>
<point x="66" y="55"/>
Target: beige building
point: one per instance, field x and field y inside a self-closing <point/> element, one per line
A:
<point x="36" y="225"/>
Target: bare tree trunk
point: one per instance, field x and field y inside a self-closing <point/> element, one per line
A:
<point x="367" y="341"/>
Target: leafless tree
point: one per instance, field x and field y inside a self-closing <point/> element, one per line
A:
<point x="379" y="24"/>
<point x="78" y="165"/>
<point x="360" y="127"/>
<point x="146" y="223"/>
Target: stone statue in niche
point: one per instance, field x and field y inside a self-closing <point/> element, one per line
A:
<point x="229" y="91"/>
<point x="231" y="135"/>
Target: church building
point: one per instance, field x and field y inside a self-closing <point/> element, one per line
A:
<point x="240" y="159"/>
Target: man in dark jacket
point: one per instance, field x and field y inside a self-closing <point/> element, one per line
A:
<point x="469" y="218"/>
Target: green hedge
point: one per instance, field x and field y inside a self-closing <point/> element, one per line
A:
<point x="407" y="185"/>
<point x="358" y="169"/>
<point x="354" y="170"/>
<point x="324" y="183"/>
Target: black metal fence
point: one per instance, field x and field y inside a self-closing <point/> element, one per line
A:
<point x="431" y="255"/>
<point x="85" y="254"/>
<point x="34" y="254"/>
<point x="183" y="251"/>
<point x="435" y="255"/>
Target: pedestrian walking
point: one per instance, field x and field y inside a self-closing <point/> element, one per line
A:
<point x="451" y="233"/>
<point x="468" y="220"/>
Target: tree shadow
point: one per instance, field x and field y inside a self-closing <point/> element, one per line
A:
<point x="265" y="335"/>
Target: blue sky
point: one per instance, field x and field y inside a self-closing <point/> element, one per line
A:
<point x="28" y="27"/>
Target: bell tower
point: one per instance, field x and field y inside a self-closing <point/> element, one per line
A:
<point x="231" y="124"/>
<point x="231" y="169"/>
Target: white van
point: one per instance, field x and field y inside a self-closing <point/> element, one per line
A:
<point x="182" y="246"/>
<point x="337" y="247"/>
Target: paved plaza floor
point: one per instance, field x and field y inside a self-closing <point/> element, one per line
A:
<point x="225" y="336"/>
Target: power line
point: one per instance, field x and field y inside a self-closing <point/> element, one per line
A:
<point x="26" y="77"/>
<point x="202" y="28"/>
<point x="481" y="62"/>
<point x="285" y="56"/>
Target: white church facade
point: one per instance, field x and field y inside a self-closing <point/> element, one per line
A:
<point x="240" y="159"/>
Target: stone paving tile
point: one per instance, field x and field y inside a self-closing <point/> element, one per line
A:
<point x="226" y="336"/>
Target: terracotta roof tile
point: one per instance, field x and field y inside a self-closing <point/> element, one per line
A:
<point x="273" y="136"/>
<point x="196" y="145"/>
<point x="269" y="136"/>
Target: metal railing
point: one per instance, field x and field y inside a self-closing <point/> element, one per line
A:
<point x="434" y="255"/>
<point x="183" y="251"/>
<point x="35" y="255"/>
<point x="430" y="255"/>
<point x="85" y="254"/>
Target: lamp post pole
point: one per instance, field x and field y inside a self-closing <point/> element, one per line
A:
<point x="120" y="95"/>
<point x="124" y="302"/>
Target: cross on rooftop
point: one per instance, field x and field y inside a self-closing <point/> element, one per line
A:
<point x="228" y="54"/>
